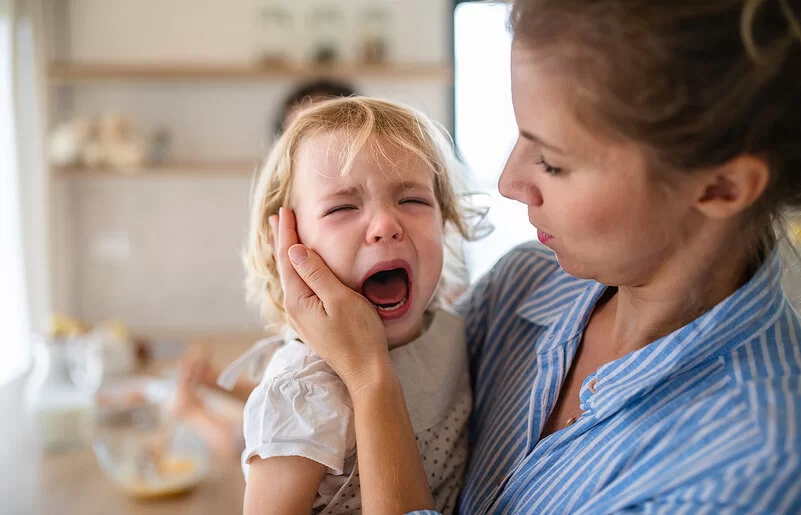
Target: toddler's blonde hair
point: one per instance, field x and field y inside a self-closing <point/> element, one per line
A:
<point x="367" y="122"/>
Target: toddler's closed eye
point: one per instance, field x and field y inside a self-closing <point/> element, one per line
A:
<point x="418" y="201"/>
<point x="340" y="209"/>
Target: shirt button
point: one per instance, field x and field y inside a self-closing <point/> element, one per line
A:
<point x="593" y="386"/>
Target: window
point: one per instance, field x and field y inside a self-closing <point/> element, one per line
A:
<point x="485" y="127"/>
<point x="14" y="319"/>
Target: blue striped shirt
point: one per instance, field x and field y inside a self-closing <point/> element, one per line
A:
<point x="704" y="420"/>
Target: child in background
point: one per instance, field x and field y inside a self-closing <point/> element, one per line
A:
<point x="306" y="95"/>
<point x="370" y="185"/>
<point x="223" y="434"/>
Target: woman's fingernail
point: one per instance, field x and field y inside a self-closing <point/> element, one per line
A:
<point x="298" y="254"/>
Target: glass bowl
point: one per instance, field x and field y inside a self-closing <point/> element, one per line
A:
<point x="137" y="443"/>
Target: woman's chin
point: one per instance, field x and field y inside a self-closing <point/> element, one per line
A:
<point x="576" y="269"/>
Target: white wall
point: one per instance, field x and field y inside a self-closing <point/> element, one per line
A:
<point x="205" y="31"/>
<point x="162" y="253"/>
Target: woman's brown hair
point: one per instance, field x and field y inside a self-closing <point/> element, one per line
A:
<point x="694" y="83"/>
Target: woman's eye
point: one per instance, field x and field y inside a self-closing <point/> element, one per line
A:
<point x="339" y="209"/>
<point x="547" y="168"/>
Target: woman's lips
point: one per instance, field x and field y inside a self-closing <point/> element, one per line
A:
<point x="544" y="237"/>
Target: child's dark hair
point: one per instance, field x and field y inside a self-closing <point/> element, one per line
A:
<point x="318" y="88"/>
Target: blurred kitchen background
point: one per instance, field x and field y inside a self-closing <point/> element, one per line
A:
<point x="139" y="125"/>
<point x="131" y="133"/>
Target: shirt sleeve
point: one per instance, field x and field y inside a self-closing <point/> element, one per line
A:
<point x="305" y="413"/>
<point x="423" y="512"/>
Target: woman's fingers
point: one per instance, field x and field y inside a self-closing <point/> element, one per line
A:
<point x="316" y="275"/>
<point x="340" y="325"/>
<point x="286" y="236"/>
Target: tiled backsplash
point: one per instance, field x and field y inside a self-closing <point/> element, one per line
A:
<point x="161" y="252"/>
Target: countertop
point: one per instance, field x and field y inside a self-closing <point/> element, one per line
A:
<point x="71" y="482"/>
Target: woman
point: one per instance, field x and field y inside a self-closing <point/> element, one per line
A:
<point x="649" y="360"/>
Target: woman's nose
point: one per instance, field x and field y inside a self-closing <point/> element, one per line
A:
<point x="384" y="226"/>
<point x="517" y="181"/>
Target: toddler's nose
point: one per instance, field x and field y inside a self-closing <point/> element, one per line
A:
<point x="384" y="227"/>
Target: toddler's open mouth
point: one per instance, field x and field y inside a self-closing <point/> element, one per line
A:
<point x="389" y="290"/>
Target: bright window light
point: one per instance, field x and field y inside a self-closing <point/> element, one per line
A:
<point x="14" y="327"/>
<point x="485" y="124"/>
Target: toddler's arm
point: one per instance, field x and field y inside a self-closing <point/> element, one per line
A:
<point x="282" y="485"/>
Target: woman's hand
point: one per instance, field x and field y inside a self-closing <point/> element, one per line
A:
<point x="336" y="322"/>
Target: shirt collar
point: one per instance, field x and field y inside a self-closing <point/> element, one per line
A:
<point x="561" y="302"/>
<point x="547" y="300"/>
<point x="737" y="319"/>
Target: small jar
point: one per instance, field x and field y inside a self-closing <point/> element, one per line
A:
<point x="327" y="27"/>
<point x="275" y="35"/>
<point x="374" y="43"/>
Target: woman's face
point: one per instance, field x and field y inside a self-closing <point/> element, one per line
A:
<point x="593" y="201"/>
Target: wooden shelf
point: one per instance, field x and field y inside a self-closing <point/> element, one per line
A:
<point x="222" y="169"/>
<point x="81" y="72"/>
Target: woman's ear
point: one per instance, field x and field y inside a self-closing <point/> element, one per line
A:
<point x="732" y="188"/>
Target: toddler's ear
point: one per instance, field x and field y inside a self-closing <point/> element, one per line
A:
<point x="732" y="188"/>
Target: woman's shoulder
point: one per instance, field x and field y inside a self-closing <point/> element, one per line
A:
<point x="528" y="254"/>
<point x="770" y="353"/>
<point x="530" y="260"/>
<point x="766" y="371"/>
<point x="527" y="269"/>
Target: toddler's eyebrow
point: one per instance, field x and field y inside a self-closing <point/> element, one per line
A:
<point x="352" y="191"/>
<point x="348" y="192"/>
<point x="412" y="185"/>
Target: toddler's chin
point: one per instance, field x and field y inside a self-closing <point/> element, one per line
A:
<point x="400" y="332"/>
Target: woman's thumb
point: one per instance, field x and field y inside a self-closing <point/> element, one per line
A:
<point x="298" y="254"/>
<point x="311" y="268"/>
